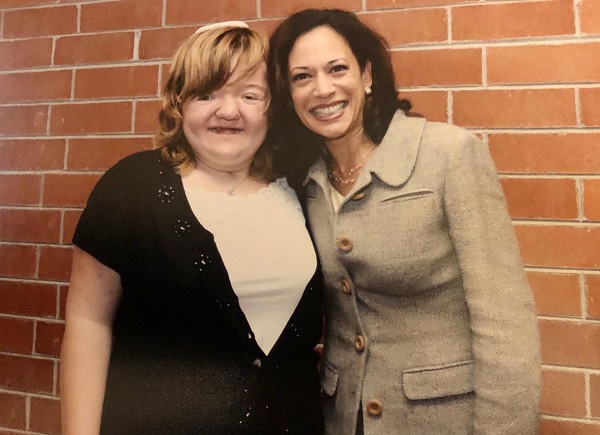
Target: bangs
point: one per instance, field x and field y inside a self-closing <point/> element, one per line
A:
<point x="207" y="63"/>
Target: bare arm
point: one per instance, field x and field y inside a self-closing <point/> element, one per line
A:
<point x="94" y="293"/>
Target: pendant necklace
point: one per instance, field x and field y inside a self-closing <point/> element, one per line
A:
<point x="347" y="176"/>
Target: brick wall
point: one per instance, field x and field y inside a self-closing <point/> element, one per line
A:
<point x="79" y="88"/>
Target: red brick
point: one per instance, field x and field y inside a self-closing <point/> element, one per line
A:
<point x="32" y="154"/>
<point x="132" y="81"/>
<point x="572" y="344"/>
<point x="513" y="20"/>
<point x="69" y="224"/>
<point x="17" y="335"/>
<point x="100" y="154"/>
<point x="23" y="120"/>
<point x="29" y="225"/>
<point x="570" y="63"/>
<point x="278" y="8"/>
<point x="28" y="299"/>
<point x="265" y="27"/>
<point x="25" y="53"/>
<point x="40" y="22"/>
<point x="20" y="189"/>
<point x="146" y="116"/>
<point x="48" y="338"/>
<point x="593" y="295"/>
<point x="437" y="67"/>
<point x="26" y="374"/>
<point x="559" y="245"/>
<point x="433" y="105"/>
<point x="55" y="263"/>
<point x="546" y="198"/>
<point x="409" y="26"/>
<point x="68" y="190"/>
<point x="19" y="3"/>
<point x="376" y="4"/>
<point x="589" y="14"/>
<point x="17" y="261"/>
<point x="556" y="294"/>
<point x="590" y="106"/>
<point x="515" y="108"/>
<point x="45" y="416"/>
<point x="563" y="393"/>
<point x="121" y="15"/>
<point x="35" y="86"/>
<point x="562" y="427"/>
<point x="104" y="47"/>
<point x="546" y="153"/>
<point x="91" y="118"/>
<point x="64" y="293"/>
<point x="162" y="43"/>
<point x="187" y="12"/>
<point x="12" y="411"/>
<point x="591" y="199"/>
<point x="595" y="395"/>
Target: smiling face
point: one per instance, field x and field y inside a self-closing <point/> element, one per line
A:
<point x="226" y="127"/>
<point x="327" y="85"/>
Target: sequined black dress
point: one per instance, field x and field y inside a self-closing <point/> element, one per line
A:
<point x="184" y="359"/>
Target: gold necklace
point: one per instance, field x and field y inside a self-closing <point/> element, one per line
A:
<point x="347" y="176"/>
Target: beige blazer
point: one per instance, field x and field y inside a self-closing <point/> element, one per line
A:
<point x="430" y="322"/>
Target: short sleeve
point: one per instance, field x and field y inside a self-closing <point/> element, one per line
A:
<point x="106" y="229"/>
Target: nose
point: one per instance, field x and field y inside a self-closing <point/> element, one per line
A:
<point x="323" y="86"/>
<point x="228" y="108"/>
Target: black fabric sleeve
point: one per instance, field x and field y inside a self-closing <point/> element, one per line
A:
<point x="106" y="229"/>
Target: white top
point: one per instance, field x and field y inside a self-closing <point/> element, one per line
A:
<point x="336" y="198"/>
<point x="266" y="249"/>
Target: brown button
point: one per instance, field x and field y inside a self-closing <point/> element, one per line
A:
<point x="346" y="288"/>
<point x="359" y="343"/>
<point x="344" y="244"/>
<point x="374" y="408"/>
<point x="359" y="195"/>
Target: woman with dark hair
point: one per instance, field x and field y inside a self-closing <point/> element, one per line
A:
<point x="430" y="325"/>
<point x="188" y="313"/>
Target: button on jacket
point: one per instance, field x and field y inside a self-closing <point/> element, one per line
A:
<point x="430" y="323"/>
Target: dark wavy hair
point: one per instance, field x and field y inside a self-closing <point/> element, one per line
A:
<point x="296" y="146"/>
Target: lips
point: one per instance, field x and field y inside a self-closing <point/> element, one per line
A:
<point x="225" y="130"/>
<point x="329" y="111"/>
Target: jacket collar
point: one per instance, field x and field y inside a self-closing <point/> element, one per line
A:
<point x="392" y="161"/>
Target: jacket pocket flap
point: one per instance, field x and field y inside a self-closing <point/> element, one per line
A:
<point x="405" y="195"/>
<point x="438" y="381"/>
<point x="329" y="378"/>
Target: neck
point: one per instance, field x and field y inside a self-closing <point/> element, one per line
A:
<point x="228" y="181"/>
<point x="350" y="150"/>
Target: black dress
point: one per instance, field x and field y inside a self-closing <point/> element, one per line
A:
<point x="184" y="359"/>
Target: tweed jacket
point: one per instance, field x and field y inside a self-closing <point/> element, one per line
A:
<point x="430" y="323"/>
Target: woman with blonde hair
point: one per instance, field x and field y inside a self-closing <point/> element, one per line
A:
<point x="194" y="304"/>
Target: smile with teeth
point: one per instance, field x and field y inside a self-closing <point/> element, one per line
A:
<point x="328" y="111"/>
<point x="225" y="130"/>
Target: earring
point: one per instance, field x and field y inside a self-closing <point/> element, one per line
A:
<point x="368" y="91"/>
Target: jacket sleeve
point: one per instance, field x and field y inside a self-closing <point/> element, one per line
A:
<point x="503" y="322"/>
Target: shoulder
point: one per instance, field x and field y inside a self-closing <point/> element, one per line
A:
<point x="450" y="142"/>
<point x="135" y="167"/>
<point x="139" y="161"/>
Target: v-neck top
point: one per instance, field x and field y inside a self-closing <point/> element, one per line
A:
<point x="184" y="358"/>
<point x="254" y="234"/>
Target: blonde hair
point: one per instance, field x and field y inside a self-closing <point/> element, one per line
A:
<point x="204" y="63"/>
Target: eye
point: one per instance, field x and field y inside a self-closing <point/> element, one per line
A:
<point x="253" y="98"/>
<point x="300" y="76"/>
<point x="339" y="68"/>
<point x="202" y="98"/>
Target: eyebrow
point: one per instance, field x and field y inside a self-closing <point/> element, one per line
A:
<point x="302" y="67"/>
